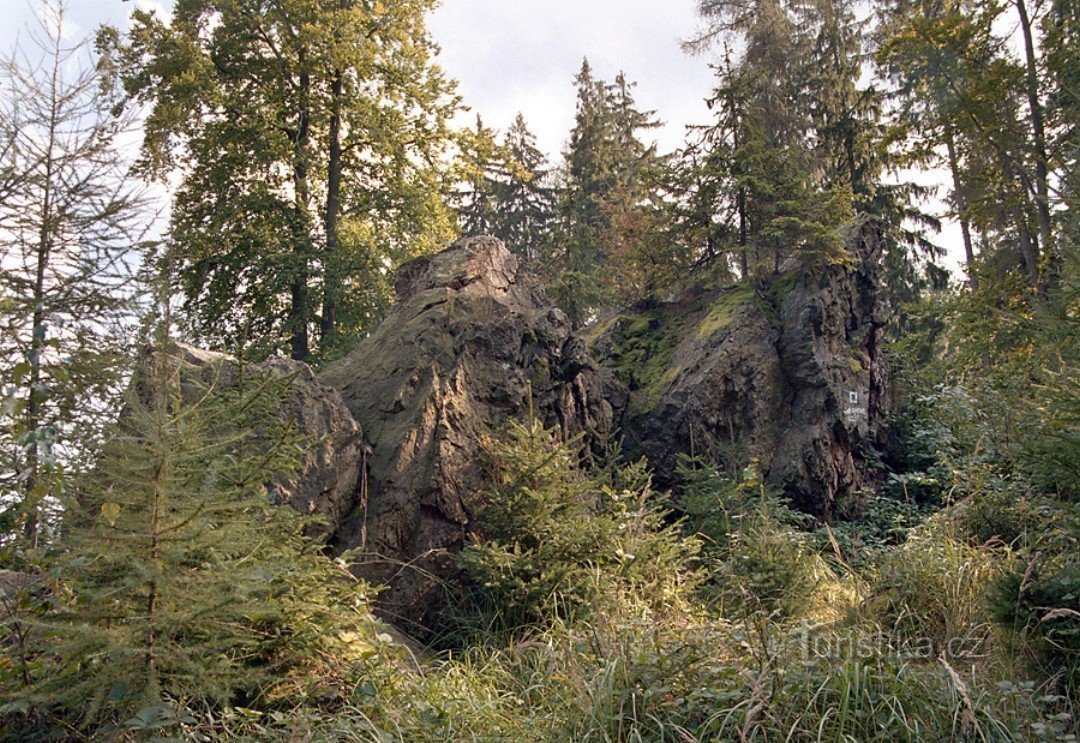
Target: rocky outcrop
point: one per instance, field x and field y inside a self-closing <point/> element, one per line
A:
<point x="328" y="481"/>
<point x="470" y="338"/>
<point x="788" y="371"/>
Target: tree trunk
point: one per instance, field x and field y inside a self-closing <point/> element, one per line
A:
<point x="1029" y="245"/>
<point x="744" y="255"/>
<point x="333" y="207"/>
<point x="38" y="331"/>
<point x="298" y="288"/>
<point x="961" y="206"/>
<point x="1042" y="167"/>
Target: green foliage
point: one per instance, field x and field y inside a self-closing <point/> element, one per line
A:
<point x="754" y="554"/>
<point x="74" y="227"/>
<point x="644" y="344"/>
<point x="310" y="139"/>
<point x="611" y="243"/>
<point x="510" y="194"/>
<point x="1041" y="604"/>
<point x="933" y="586"/>
<point x="557" y="539"/>
<point x="178" y="582"/>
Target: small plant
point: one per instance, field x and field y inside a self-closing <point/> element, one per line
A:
<point x="1039" y="602"/>
<point x="754" y="553"/>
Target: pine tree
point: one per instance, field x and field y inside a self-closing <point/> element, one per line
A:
<point x="984" y="108"/>
<point x="784" y="197"/>
<point x="484" y="163"/>
<point x="527" y="198"/>
<point x="508" y="194"/>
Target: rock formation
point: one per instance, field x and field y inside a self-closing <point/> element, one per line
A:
<point x="788" y="370"/>
<point x="327" y="482"/>
<point x="469" y="338"/>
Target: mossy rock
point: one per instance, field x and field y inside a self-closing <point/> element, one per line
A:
<point x="594" y="333"/>
<point x="723" y="310"/>
<point x="783" y="286"/>
<point x="644" y="345"/>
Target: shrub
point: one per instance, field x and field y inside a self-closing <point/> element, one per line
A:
<point x="555" y="537"/>
<point x="1039" y="602"/>
<point x="754" y="555"/>
<point x="178" y="582"/>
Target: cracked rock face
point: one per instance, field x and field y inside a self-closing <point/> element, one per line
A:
<point x="787" y="371"/>
<point x="469" y="338"/>
<point x="327" y="481"/>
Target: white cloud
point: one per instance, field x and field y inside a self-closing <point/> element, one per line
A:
<point x="511" y="56"/>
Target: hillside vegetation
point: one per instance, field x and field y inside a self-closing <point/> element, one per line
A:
<point x="708" y="445"/>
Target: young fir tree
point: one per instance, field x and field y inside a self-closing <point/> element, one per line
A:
<point x="180" y="583"/>
<point x="556" y="539"/>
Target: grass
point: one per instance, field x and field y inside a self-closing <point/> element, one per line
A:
<point x="848" y="666"/>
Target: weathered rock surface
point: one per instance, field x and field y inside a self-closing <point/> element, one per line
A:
<point x="328" y="481"/>
<point x="788" y="371"/>
<point x="468" y="339"/>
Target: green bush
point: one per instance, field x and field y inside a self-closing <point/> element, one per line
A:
<point x="556" y="538"/>
<point x="1039" y="602"/>
<point x="754" y="552"/>
<point x="178" y="583"/>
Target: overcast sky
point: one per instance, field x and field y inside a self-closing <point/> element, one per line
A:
<point x="510" y="56"/>
<point x="522" y="55"/>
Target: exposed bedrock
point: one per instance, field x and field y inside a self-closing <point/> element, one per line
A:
<point x="469" y="338"/>
<point x="787" y="370"/>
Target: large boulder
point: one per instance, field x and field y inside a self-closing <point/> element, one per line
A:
<point x="471" y="341"/>
<point x="328" y="481"/>
<point x="787" y="370"/>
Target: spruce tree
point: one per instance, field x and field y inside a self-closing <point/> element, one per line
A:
<point x="611" y="200"/>
<point x="180" y="583"/>
<point x="556" y="539"/>
<point x="508" y="194"/>
<point x="527" y="198"/>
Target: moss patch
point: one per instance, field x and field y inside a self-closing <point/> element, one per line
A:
<point x="644" y="346"/>
<point x="784" y="286"/>
<point x="723" y="311"/>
